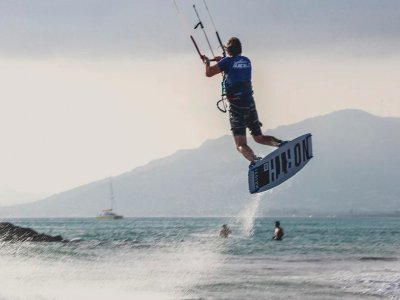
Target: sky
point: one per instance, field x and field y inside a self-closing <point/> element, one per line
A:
<point x="95" y="88"/>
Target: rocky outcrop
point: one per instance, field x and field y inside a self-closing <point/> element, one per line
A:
<point x="11" y="232"/>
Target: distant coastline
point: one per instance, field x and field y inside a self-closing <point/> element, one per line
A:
<point x="351" y="174"/>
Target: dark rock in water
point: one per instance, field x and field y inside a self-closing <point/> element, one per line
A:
<point x="376" y="258"/>
<point x="11" y="232"/>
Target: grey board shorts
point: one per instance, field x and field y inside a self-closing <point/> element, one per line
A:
<point x="242" y="117"/>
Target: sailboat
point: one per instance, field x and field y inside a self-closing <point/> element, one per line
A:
<point x="108" y="214"/>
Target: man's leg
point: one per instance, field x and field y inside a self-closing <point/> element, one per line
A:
<point x="255" y="129"/>
<point x="267" y="140"/>
<point x="242" y="147"/>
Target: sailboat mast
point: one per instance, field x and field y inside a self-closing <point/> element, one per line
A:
<point x="111" y="194"/>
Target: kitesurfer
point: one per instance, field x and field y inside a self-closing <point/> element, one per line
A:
<point x="238" y="88"/>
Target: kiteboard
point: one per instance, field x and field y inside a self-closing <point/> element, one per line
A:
<point x="281" y="164"/>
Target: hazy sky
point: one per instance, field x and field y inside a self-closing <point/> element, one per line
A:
<point x="94" y="88"/>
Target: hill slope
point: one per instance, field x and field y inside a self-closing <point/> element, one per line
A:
<point x="354" y="170"/>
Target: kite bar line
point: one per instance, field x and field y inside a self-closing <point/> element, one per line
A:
<point x="221" y="104"/>
<point x="200" y="23"/>
<point x="185" y="24"/>
<point x="222" y="101"/>
<point x="215" y="28"/>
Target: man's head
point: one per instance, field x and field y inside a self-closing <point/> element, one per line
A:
<point x="277" y="224"/>
<point x="234" y="46"/>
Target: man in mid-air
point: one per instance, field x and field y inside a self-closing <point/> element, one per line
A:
<point x="242" y="108"/>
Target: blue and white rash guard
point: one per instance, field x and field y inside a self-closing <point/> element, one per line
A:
<point x="237" y="70"/>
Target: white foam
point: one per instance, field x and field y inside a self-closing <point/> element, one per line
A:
<point x="159" y="273"/>
<point x="36" y="278"/>
<point x="247" y="216"/>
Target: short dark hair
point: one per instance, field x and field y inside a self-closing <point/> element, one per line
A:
<point x="234" y="46"/>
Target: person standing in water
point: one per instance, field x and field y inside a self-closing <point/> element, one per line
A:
<point x="278" y="233"/>
<point x="225" y="231"/>
<point x="242" y="108"/>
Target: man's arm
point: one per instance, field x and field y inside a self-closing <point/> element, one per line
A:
<point x="211" y="70"/>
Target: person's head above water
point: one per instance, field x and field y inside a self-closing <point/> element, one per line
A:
<point x="277" y="224"/>
<point x="234" y="46"/>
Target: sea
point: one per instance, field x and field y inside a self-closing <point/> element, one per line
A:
<point x="185" y="258"/>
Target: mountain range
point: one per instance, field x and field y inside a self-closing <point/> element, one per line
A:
<point x="354" y="171"/>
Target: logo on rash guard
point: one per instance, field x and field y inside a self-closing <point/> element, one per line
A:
<point x="242" y="64"/>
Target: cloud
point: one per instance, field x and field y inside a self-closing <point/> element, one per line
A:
<point x="90" y="28"/>
<point x="354" y="25"/>
<point x="84" y="28"/>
